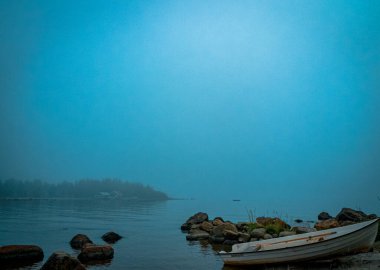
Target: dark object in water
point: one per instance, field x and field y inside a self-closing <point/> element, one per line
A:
<point x="95" y="253"/>
<point x="236" y="200"/>
<point x="79" y="240"/>
<point x="20" y="254"/>
<point x="198" y="218"/>
<point x="111" y="237"/>
<point x="61" y="260"/>
<point x="298" y="220"/>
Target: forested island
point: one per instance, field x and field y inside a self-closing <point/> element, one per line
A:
<point x="84" y="189"/>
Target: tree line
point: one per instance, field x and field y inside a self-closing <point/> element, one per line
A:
<point x="86" y="188"/>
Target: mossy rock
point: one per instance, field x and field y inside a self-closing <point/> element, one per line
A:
<point x="253" y="225"/>
<point x="274" y="228"/>
<point x="266" y="221"/>
<point x="273" y="225"/>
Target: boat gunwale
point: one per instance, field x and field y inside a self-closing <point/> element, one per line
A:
<point x="309" y="244"/>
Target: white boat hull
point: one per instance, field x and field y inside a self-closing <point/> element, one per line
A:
<point x="338" y="241"/>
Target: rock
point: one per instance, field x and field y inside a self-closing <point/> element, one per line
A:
<point x="219" y="230"/>
<point x="267" y="236"/>
<point x="185" y="227"/>
<point x="275" y="235"/>
<point x="20" y="254"/>
<point x="286" y="233"/>
<point x="324" y="216"/>
<point x="230" y="235"/>
<point x="241" y="226"/>
<point x="258" y="233"/>
<point x="219" y="218"/>
<point x="206" y="226"/>
<point x="217" y="221"/>
<point x="62" y="261"/>
<point x="326" y="224"/>
<point x="265" y="221"/>
<point x="197" y="218"/>
<point x="216" y="239"/>
<point x="253" y="239"/>
<point x="195" y="227"/>
<point x="95" y="253"/>
<point x="244" y="237"/>
<point x="230" y="242"/>
<point x="372" y="216"/>
<point x="346" y="222"/>
<point x="348" y="214"/>
<point x="111" y="237"/>
<point x="300" y="229"/>
<point x="197" y="235"/>
<point x="79" y="241"/>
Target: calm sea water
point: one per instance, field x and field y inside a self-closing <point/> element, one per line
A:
<point x="152" y="238"/>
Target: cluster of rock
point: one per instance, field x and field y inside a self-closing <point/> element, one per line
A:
<point x="89" y="253"/>
<point x="218" y="231"/>
<point x="345" y="217"/>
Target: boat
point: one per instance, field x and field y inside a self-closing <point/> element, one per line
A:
<point x="322" y="244"/>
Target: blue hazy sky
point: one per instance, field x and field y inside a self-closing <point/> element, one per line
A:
<point x="274" y="100"/>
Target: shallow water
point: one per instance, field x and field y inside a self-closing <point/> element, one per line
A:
<point x="152" y="238"/>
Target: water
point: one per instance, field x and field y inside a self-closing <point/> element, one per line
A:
<point x="152" y="238"/>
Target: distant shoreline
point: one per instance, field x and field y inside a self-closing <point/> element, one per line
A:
<point x="79" y="199"/>
<point x="106" y="189"/>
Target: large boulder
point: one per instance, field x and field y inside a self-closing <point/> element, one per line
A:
<point x="287" y="233"/>
<point x="300" y="229"/>
<point x="62" y="261"/>
<point x="242" y="226"/>
<point x="198" y="218"/>
<point x="324" y="216"/>
<point x="326" y="224"/>
<point x="230" y="235"/>
<point x="95" y="253"/>
<point x="111" y="237"/>
<point x="265" y="221"/>
<point x="20" y="254"/>
<point x="220" y="229"/>
<point x="216" y="239"/>
<point x="267" y="236"/>
<point x="372" y="216"/>
<point x="206" y="226"/>
<point x="217" y="221"/>
<point x="258" y="233"/>
<point x="244" y="237"/>
<point x="195" y="227"/>
<point x="348" y="214"/>
<point x="197" y="235"/>
<point x="79" y="240"/>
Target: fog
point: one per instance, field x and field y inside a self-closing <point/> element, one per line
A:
<point x="271" y="100"/>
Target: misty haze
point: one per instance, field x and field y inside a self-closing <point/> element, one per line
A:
<point x="180" y="125"/>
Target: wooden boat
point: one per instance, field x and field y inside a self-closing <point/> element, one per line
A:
<point x="304" y="247"/>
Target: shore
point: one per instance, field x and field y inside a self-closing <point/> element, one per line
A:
<point x="223" y="234"/>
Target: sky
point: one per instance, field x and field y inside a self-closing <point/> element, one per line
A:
<point x="273" y="100"/>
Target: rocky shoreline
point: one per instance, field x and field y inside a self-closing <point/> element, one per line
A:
<point x="218" y="231"/>
<point x="14" y="256"/>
